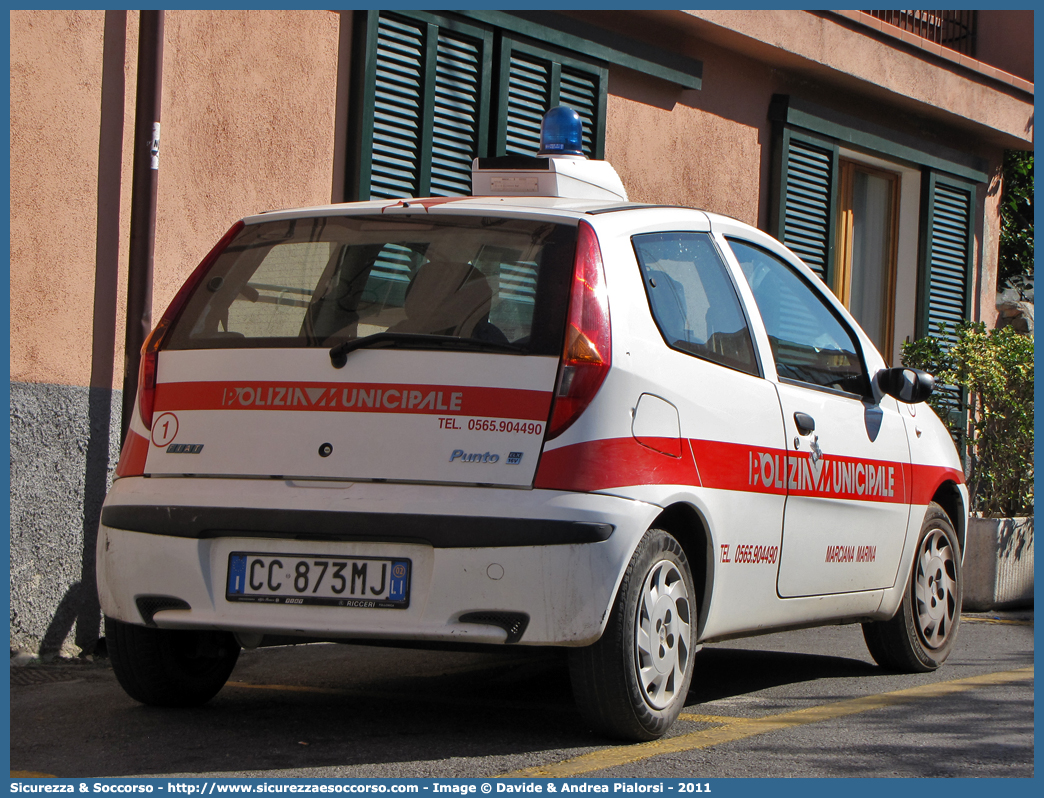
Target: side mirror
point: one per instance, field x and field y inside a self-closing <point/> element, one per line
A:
<point x="907" y="385"/>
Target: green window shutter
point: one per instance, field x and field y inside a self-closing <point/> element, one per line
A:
<point x="533" y="80"/>
<point x="429" y="95"/>
<point x="947" y="259"/>
<point x="461" y="104"/>
<point x="808" y="187"/>
<point x="399" y="100"/>
<point x="528" y="98"/>
<point x="423" y="101"/>
<point x="580" y="91"/>
<point x="944" y="287"/>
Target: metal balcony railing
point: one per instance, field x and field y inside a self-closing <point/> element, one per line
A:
<point x="952" y="29"/>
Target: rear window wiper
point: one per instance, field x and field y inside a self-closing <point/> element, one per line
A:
<point x="339" y="353"/>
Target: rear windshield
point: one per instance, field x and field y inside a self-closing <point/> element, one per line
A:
<point x="323" y="281"/>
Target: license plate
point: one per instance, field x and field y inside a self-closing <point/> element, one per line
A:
<point x="365" y="582"/>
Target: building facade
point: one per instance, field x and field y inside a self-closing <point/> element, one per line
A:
<point x="870" y="143"/>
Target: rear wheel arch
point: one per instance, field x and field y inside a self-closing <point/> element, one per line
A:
<point x="686" y="524"/>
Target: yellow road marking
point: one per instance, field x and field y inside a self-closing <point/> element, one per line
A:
<point x="1011" y="622"/>
<point x="739" y="728"/>
<point x="30" y="774"/>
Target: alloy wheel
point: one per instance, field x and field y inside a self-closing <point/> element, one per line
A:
<point x="662" y="634"/>
<point x="935" y="589"/>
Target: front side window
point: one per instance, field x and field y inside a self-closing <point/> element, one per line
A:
<point x="809" y="342"/>
<point x="327" y="280"/>
<point x="693" y="300"/>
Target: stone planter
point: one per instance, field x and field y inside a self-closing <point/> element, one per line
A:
<point x="998" y="564"/>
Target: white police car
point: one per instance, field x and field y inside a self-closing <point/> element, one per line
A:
<point x="539" y="415"/>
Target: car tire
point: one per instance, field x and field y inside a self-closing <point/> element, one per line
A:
<point x="920" y="636"/>
<point x="169" y="667"/>
<point x="633" y="682"/>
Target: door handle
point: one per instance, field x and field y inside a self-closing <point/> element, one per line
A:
<point x="806" y="425"/>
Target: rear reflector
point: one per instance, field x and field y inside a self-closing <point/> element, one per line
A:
<point x="586" y="355"/>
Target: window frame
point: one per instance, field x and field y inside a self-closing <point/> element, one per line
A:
<point x="511" y="44"/>
<point x="843" y="265"/>
<point x="758" y="365"/>
<point x="795" y="119"/>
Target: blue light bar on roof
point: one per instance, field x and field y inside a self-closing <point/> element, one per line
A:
<point x="561" y="132"/>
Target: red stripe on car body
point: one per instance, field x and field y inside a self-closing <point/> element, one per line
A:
<point x="619" y="462"/>
<point x="447" y="400"/>
<point x="926" y="480"/>
<point x="756" y="469"/>
<point x="133" y="456"/>
<point x="613" y="463"/>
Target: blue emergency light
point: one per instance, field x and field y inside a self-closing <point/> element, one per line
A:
<point x="561" y="132"/>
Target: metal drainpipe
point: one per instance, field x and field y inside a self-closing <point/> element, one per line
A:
<point x="143" y="202"/>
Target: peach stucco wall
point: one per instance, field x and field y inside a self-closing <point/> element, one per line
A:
<point x="55" y="112"/>
<point x="248" y="125"/>
<point x="706" y="149"/>
<point x="830" y="48"/>
<point x="987" y="241"/>
<point x="249" y="101"/>
<point x="1004" y="39"/>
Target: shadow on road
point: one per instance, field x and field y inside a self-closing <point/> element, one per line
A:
<point x="399" y="712"/>
<point x="728" y="672"/>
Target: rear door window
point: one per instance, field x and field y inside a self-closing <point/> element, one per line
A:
<point x="322" y="281"/>
<point x="693" y="300"/>
<point x="273" y="302"/>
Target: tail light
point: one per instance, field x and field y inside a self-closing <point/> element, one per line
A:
<point x="150" y="350"/>
<point x="587" y="352"/>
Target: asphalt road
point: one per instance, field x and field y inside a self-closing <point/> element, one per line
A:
<point x="808" y="703"/>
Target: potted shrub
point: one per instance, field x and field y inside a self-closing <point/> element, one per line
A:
<point x="993" y="371"/>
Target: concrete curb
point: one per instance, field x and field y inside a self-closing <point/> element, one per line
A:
<point x="998" y="564"/>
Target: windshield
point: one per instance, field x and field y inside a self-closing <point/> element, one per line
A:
<point x="329" y="280"/>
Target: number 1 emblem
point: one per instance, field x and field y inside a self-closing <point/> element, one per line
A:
<point x="164" y="429"/>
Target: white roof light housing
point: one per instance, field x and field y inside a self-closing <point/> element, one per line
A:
<point x="559" y="170"/>
<point x="559" y="176"/>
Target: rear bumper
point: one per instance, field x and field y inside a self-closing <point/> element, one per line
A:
<point x="437" y="531"/>
<point x="555" y="558"/>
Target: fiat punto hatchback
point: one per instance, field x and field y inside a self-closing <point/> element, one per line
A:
<point x="540" y="415"/>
